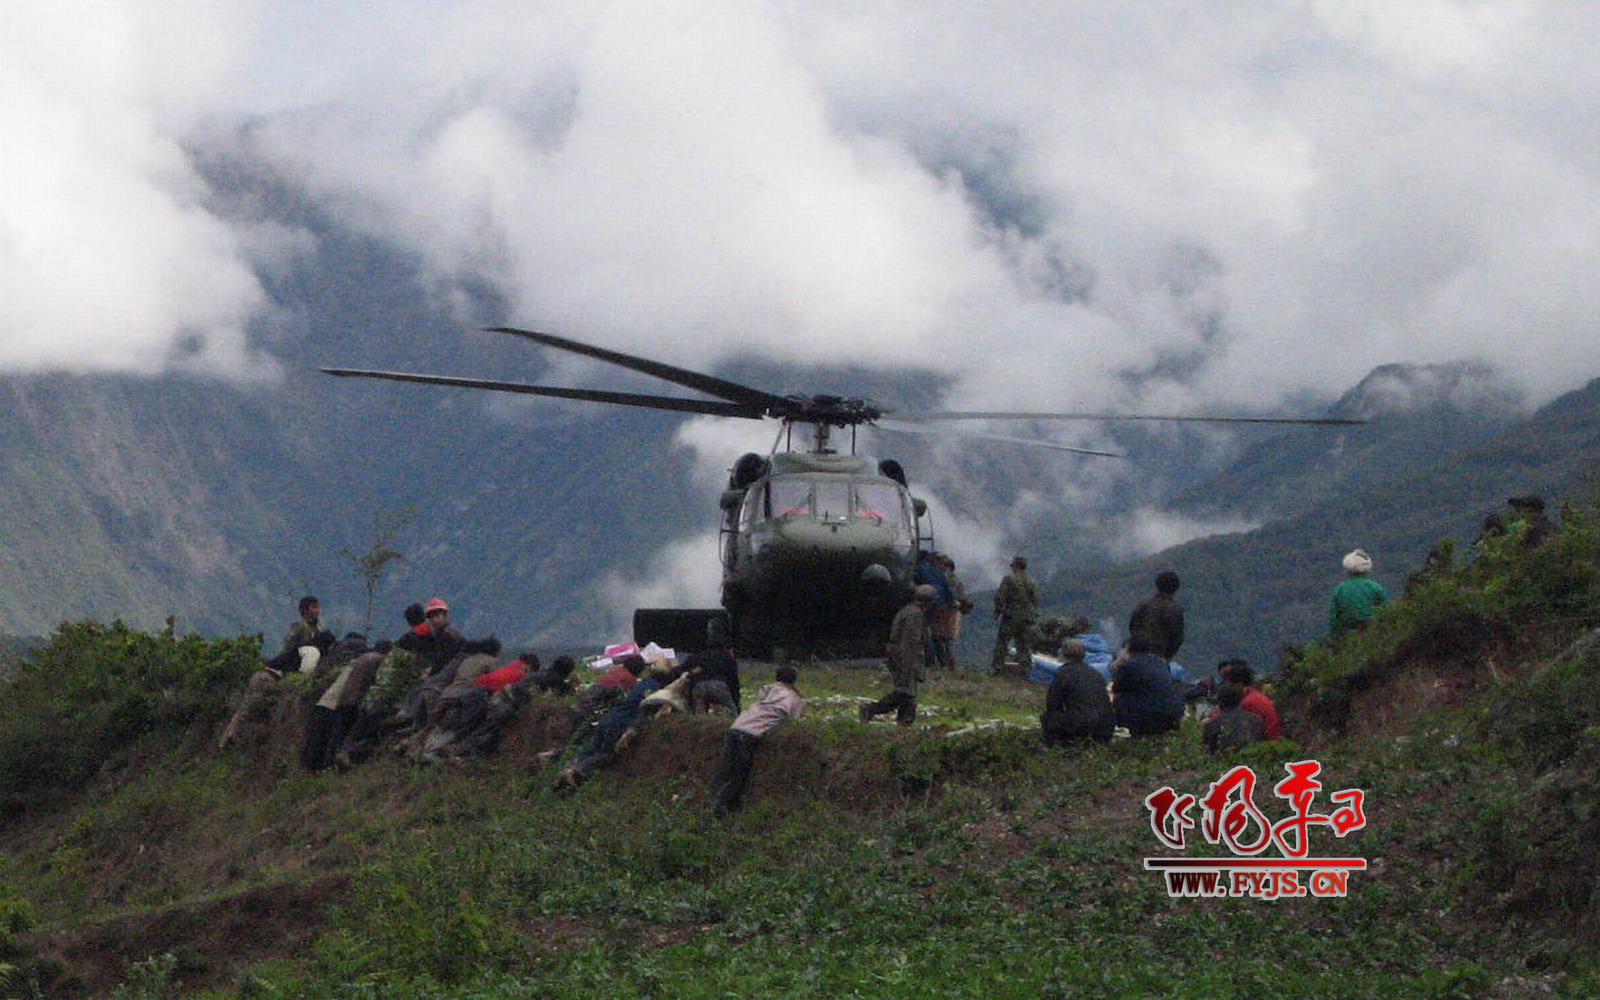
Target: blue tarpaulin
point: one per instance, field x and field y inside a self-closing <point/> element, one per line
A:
<point x="1097" y="653"/>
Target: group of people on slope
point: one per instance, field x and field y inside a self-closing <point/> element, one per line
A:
<point x="1142" y="695"/>
<point x="612" y="711"/>
<point x="434" y="695"/>
<point x="1147" y="693"/>
<point x="432" y="691"/>
<point x="1146" y="689"/>
<point x="439" y="695"/>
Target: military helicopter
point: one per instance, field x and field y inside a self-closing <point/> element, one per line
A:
<point x="818" y="546"/>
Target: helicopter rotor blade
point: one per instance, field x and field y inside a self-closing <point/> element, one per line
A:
<point x="898" y="428"/>
<point x="698" y="381"/>
<point x="712" y="407"/>
<point x="1198" y="419"/>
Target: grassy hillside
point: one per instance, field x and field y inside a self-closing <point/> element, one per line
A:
<point x="956" y="859"/>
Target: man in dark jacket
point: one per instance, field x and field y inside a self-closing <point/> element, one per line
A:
<point x="436" y="642"/>
<point x="714" y="672"/>
<point x="554" y="679"/>
<point x="1159" y="620"/>
<point x="1076" y="707"/>
<point x="1232" y="727"/>
<point x="1142" y="692"/>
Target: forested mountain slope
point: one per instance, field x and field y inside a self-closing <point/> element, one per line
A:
<point x="1252" y="593"/>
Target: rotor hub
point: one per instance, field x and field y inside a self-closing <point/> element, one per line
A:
<point x="831" y="411"/>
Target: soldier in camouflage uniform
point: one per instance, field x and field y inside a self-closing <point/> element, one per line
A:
<point x="1016" y="613"/>
<point x="906" y="658"/>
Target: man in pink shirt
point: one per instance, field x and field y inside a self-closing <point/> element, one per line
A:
<point x="775" y="703"/>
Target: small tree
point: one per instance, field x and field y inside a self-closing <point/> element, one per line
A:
<point x="374" y="562"/>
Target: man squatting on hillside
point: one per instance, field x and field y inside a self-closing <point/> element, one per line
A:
<point x="774" y="703"/>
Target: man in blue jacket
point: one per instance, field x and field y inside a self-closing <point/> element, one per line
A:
<point x="1142" y="692"/>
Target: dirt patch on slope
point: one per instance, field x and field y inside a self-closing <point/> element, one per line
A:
<point x="212" y="941"/>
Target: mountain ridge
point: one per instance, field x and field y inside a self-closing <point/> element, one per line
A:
<point x="1256" y="592"/>
<point x="217" y="504"/>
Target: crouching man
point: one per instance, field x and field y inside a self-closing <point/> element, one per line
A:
<point x="775" y="703"/>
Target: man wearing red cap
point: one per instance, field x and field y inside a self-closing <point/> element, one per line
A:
<point x="437" y="641"/>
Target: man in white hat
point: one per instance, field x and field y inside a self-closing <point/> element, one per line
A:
<point x="1356" y="599"/>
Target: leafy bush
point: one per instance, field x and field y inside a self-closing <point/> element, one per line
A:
<point x="16" y="918"/>
<point x="150" y="979"/>
<point x="93" y="689"/>
<point x="1536" y="842"/>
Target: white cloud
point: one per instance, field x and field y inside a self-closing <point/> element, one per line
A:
<point x="999" y="191"/>
<point x="684" y="574"/>
<point x="109" y="258"/>
<point x="1430" y="38"/>
<point x="1151" y="531"/>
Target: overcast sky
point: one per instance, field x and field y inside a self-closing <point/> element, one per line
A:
<point x="1242" y="198"/>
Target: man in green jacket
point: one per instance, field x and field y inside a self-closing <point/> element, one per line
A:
<point x="1356" y="599"/>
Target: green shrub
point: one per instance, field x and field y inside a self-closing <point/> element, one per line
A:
<point x="151" y="979"/>
<point x="93" y="689"/>
<point x="16" y="918"/>
<point x="408" y="921"/>
<point x="1536" y="840"/>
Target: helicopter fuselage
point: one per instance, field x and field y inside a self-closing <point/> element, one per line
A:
<point x="818" y="551"/>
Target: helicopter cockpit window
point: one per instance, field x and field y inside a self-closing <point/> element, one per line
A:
<point x="833" y="502"/>
<point x="879" y="502"/>
<point x="788" y="498"/>
<point x="875" y="502"/>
